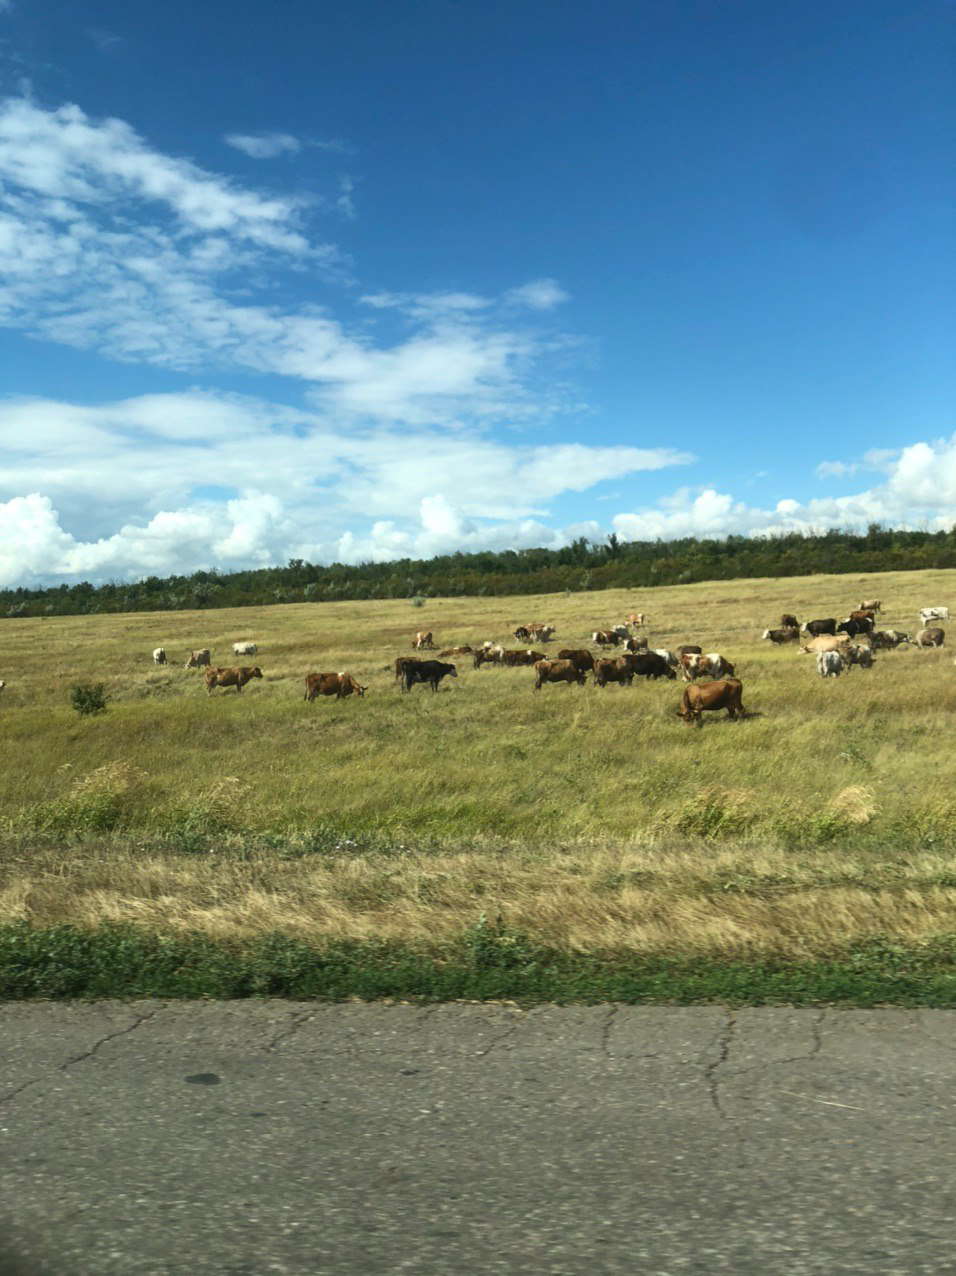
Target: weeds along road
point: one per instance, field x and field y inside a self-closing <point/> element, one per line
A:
<point x="254" y="1137"/>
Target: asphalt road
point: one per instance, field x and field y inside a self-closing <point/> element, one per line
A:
<point x="258" y="1137"/>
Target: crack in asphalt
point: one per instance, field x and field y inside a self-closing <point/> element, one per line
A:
<point x="606" y="1032"/>
<point x="723" y="1042"/>
<point x="496" y="1041"/>
<point x="816" y="1037"/>
<point x="84" y="1054"/>
<point x="300" y="1018"/>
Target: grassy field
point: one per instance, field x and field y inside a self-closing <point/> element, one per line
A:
<point x="586" y="819"/>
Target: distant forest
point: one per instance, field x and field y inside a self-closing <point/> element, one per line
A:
<point x="582" y="565"/>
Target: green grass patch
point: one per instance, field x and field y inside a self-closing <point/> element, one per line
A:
<point x="487" y="963"/>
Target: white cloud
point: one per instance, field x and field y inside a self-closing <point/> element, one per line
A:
<point x="263" y="145"/>
<point x="835" y="469"/>
<point x="108" y="245"/>
<point x="540" y="294"/>
<point x="125" y="487"/>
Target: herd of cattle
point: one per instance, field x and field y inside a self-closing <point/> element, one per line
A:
<point x="838" y="646"/>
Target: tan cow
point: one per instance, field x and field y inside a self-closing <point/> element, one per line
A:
<point x="331" y="684"/>
<point x="871" y="604"/>
<point x="703" y="697"/>
<point x="197" y="658"/>
<point x="825" y="642"/>
<point x="456" y="651"/>
<point x="236" y="677"/>
<point x="637" y="618"/>
<point x="557" y="671"/>
<point x="423" y="639"/>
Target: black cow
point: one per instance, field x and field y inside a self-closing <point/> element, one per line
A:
<point x="818" y="627"/>
<point x="648" y="664"/>
<point x="430" y="671"/>
<point x="853" y="627"/>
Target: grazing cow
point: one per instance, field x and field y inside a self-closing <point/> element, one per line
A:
<point x="636" y="644"/>
<point x="651" y="664"/>
<point x="457" y="651"/>
<point x="862" y="614"/>
<point x="487" y="656"/>
<point x="430" y="671"/>
<point x="830" y="664"/>
<point x="825" y="642"/>
<point x="871" y="604"/>
<point x="689" y="649"/>
<point x="708" y="696"/>
<point x="543" y="633"/>
<point x="857" y="654"/>
<point x="790" y="634"/>
<point x="637" y="618"/>
<point x="664" y="654"/>
<point x="557" y="671"/>
<point x="423" y="639"/>
<point x="606" y="671"/>
<point x="331" y="684"/>
<point x="789" y="622"/>
<point x="159" y="656"/>
<point x="853" y="627"/>
<point x="930" y="637"/>
<point x="933" y="613"/>
<point x="606" y="638"/>
<point x="580" y="657"/>
<point x="197" y="658"/>
<point x="818" y="627"/>
<point x="523" y="633"/>
<point x="887" y="639"/>
<point x="237" y="677"/>
<point x="244" y="649"/>
<point x="528" y="657"/>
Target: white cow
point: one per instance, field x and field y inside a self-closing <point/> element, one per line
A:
<point x="159" y="656"/>
<point x="244" y="649"/>
<point x="933" y="613"/>
<point x="829" y="664"/>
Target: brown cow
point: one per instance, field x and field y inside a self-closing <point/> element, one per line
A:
<point x="635" y="644"/>
<point x="782" y="635"/>
<point x="930" y="637"/>
<point x="689" y="649"/>
<point x="705" y="696"/>
<point x="606" y="671"/>
<point x="543" y="633"/>
<point x="331" y="684"/>
<point x="456" y="651"/>
<point x="236" y="677"/>
<point x="487" y="656"/>
<point x="528" y="657"/>
<point x="789" y="622"/>
<point x="401" y="662"/>
<point x="197" y="658"/>
<point x="580" y="657"/>
<point x="606" y="638"/>
<point x="557" y="671"/>
<point x="423" y="639"/>
<point x="637" y="618"/>
<point x="862" y="615"/>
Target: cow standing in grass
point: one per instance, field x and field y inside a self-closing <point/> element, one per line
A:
<point x="427" y="671"/>
<point x="557" y="671"/>
<point x="231" y="677"/>
<point x="706" y="697"/>
<point x="332" y="684"/>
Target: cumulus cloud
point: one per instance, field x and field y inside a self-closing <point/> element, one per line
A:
<point x="179" y="481"/>
<point x="920" y="490"/>
<point x="263" y="145"/>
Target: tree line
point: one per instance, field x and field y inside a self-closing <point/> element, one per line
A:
<point x="582" y="565"/>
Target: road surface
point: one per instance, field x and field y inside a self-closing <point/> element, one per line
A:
<point x="259" y="1137"/>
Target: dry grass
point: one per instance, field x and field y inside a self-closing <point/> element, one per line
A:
<point x="589" y="818"/>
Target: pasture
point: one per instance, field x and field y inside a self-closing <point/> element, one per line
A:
<point x="587" y="818"/>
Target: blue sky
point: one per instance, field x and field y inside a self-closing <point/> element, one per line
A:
<point x="361" y="281"/>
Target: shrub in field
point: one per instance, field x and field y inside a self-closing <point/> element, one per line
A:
<point x="100" y="802"/>
<point x="221" y="808"/>
<point x="417" y="601"/>
<point x="88" y="697"/>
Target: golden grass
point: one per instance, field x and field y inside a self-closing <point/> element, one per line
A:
<point x="589" y="818"/>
